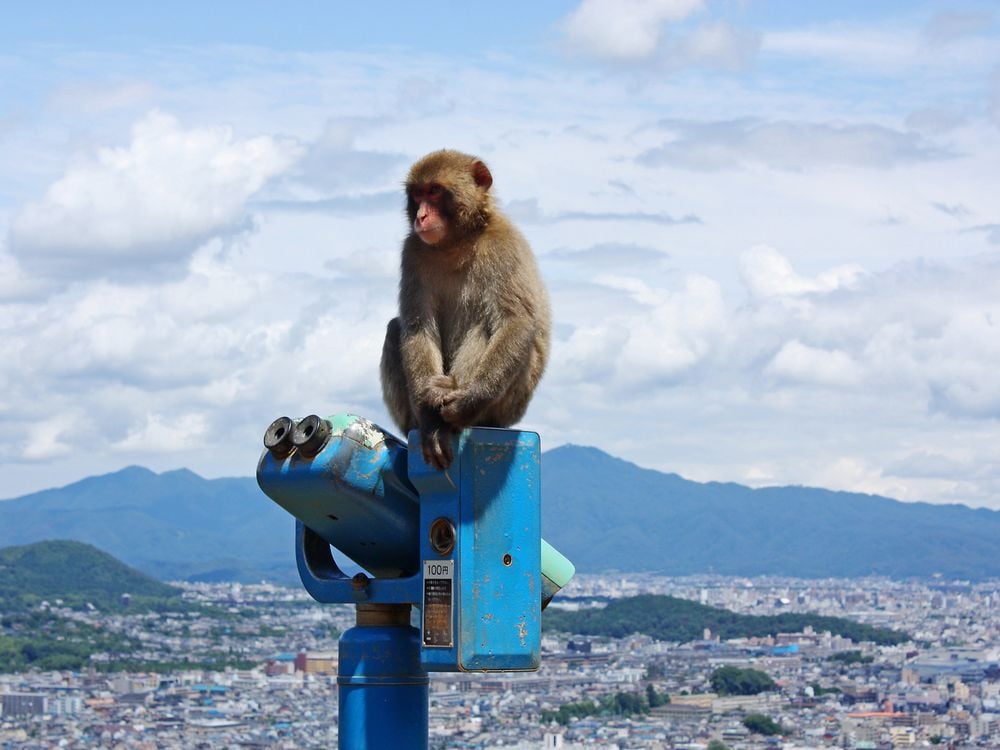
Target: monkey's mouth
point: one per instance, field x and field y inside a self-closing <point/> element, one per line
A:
<point x="431" y="235"/>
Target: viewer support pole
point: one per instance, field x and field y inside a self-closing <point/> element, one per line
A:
<point x="383" y="689"/>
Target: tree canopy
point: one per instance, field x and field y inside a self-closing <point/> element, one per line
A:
<point x="737" y="681"/>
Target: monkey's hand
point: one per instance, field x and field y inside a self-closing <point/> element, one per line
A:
<point x="462" y="406"/>
<point x="435" y="439"/>
<point x="435" y="444"/>
<point x="437" y="389"/>
<point x="436" y="447"/>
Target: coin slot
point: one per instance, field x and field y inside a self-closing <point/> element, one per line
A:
<point x="442" y="536"/>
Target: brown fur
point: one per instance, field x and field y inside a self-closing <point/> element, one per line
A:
<point x="473" y="332"/>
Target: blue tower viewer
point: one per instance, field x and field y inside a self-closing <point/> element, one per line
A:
<point x="463" y="545"/>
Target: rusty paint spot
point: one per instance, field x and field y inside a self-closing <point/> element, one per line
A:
<point x="522" y="632"/>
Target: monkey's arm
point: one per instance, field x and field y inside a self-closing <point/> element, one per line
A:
<point x="420" y="338"/>
<point x="424" y="369"/>
<point x="504" y="356"/>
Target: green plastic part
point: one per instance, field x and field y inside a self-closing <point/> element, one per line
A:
<point x="555" y="566"/>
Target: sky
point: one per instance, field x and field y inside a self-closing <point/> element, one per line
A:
<point x="770" y="230"/>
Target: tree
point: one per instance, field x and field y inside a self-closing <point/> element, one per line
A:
<point x="736" y="681"/>
<point x="852" y="657"/>
<point x="654" y="698"/>
<point x="760" y="724"/>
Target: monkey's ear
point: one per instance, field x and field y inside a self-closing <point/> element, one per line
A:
<point x="481" y="174"/>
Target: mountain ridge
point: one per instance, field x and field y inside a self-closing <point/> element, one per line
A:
<point x="737" y="530"/>
<point x="176" y="524"/>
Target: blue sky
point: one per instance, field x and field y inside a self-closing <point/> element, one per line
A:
<point x="769" y="229"/>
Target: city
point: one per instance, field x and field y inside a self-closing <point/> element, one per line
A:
<point x="278" y="687"/>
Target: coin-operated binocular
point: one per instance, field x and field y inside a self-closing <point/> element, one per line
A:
<point x="463" y="545"/>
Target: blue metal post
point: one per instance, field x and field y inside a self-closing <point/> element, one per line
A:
<point x="383" y="689"/>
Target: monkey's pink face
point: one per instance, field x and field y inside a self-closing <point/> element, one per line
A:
<point x="430" y="223"/>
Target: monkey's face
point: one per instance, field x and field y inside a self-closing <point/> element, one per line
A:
<point x="448" y="199"/>
<point x="427" y="206"/>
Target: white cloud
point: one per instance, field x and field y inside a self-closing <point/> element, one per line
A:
<point x="856" y="474"/>
<point x="149" y="203"/>
<point x="590" y="354"/>
<point x="624" y="30"/>
<point x="923" y="330"/>
<point x="806" y="364"/>
<point x="961" y="384"/>
<point x="45" y="438"/>
<point x="165" y="434"/>
<point x="677" y="334"/>
<point x="718" y="45"/>
<point x="670" y="333"/>
<point x="767" y="273"/>
<point x="15" y="284"/>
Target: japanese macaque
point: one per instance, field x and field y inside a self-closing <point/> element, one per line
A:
<point x="472" y="336"/>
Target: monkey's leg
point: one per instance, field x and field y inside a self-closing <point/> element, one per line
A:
<point x="510" y="401"/>
<point x="510" y="407"/>
<point x="464" y="370"/>
<point x="513" y="403"/>
<point x="395" y="391"/>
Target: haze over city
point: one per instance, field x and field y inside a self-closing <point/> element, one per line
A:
<point x="769" y="229"/>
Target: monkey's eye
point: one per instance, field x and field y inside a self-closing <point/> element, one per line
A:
<point x="435" y="191"/>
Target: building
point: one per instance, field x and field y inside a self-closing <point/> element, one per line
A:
<point x="316" y="662"/>
<point x="22" y="704"/>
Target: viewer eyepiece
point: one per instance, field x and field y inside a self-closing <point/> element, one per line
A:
<point x="310" y="435"/>
<point x="278" y="437"/>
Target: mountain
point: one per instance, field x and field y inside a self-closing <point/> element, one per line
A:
<point x="174" y="525"/>
<point x="600" y="511"/>
<point x="74" y="572"/>
<point x="604" y="513"/>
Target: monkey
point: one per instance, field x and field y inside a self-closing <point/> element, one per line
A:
<point x="473" y="333"/>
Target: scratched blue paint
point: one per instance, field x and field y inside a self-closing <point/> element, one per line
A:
<point x="491" y="493"/>
<point x="354" y="494"/>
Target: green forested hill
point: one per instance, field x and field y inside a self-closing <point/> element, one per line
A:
<point x="74" y="572"/>
<point x="668" y="618"/>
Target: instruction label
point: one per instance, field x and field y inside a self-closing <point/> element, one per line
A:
<point x="439" y="578"/>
